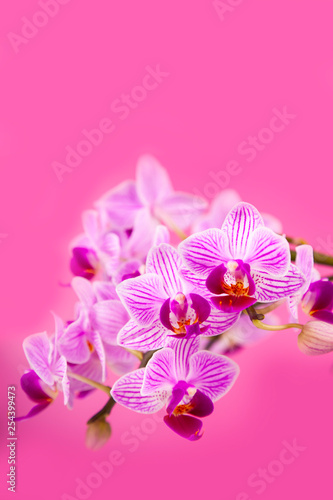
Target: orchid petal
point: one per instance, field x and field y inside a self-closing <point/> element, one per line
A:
<point x="34" y="411"/>
<point x="127" y="392"/>
<point x="185" y="426"/>
<point x="91" y="224"/>
<point x="37" y="349"/>
<point x="121" y="204"/>
<point x="270" y="288"/>
<point x="220" y="321"/>
<point x="73" y="344"/>
<point x="98" y="345"/>
<point x="267" y="251"/>
<point x="304" y="262"/>
<point x="142" y="297"/>
<point x="165" y="261"/>
<point x="204" y="251"/>
<point x="162" y="235"/>
<point x="220" y="207"/>
<point x="32" y="385"/>
<point x="143" y="339"/>
<point x="142" y="236"/>
<point x="180" y="209"/>
<point x="84" y="290"/>
<point x="238" y="226"/>
<point x="272" y="223"/>
<point x="201" y="404"/>
<point x="160" y="372"/>
<point x="83" y="262"/>
<point x="212" y="373"/>
<point x="120" y="360"/>
<point x="108" y="317"/>
<point x="153" y="181"/>
<point x="104" y="290"/>
<point x="60" y="371"/>
<point x="184" y="349"/>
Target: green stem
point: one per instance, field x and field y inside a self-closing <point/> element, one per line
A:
<point x="319" y="258"/>
<point x="104" y="412"/>
<point x="88" y="381"/>
<point x="275" y="328"/>
<point x="295" y="241"/>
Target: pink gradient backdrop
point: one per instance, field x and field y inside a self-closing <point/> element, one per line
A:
<point x="225" y="78"/>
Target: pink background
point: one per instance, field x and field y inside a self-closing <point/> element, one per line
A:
<point x="225" y="77"/>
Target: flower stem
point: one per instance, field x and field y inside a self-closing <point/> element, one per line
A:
<point x="138" y="354"/>
<point x="275" y="328"/>
<point x="296" y="241"/>
<point x="319" y="258"/>
<point x="93" y="383"/>
<point x="104" y="412"/>
<point x="172" y="226"/>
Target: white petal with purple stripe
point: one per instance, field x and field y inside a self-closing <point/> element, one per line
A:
<point x="238" y="226"/>
<point x="165" y="261"/>
<point x="127" y="392"/>
<point x="212" y="374"/>
<point x="143" y="297"/>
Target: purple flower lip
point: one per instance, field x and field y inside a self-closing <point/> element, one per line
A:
<point x="181" y="417"/>
<point x="81" y="262"/>
<point x="232" y="304"/>
<point x="179" y="313"/>
<point x="232" y="279"/>
<point x="38" y="392"/>
<point x="318" y="301"/>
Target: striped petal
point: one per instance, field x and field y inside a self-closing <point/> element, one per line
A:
<point x="73" y="344"/>
<point x="108" y="317"/>
<point x="60" y="371"/>
<point x="96" y="341"/>
<point x="84" y="290"/>
<point x="219" y="322"/>
<point x="127" y="392"/>
<point x="267" y="251"/>
<point x="165" y="261"/>
<point x="37" y="349"/>
<point x="269" y="288"/>
<point x="143" y="297"/>
<point x="143" y="339"/>
<point x="120" y="360"/>
<point x="238" y="226"/>
<point x="304" y="262"/>
<point x="316" y="338"/>
<point x="104" y="290"/>
<point x="160" y="372"/>
<point x="184" y="349"/>
<point x="204" y="251"/>
<point x="212" y="374"/>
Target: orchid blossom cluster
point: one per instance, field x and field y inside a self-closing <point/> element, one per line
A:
<point x="168" y="288"/>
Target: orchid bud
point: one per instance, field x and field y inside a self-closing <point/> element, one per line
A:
<point x="98" y="433"/>
<point x="316" y="338"/>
